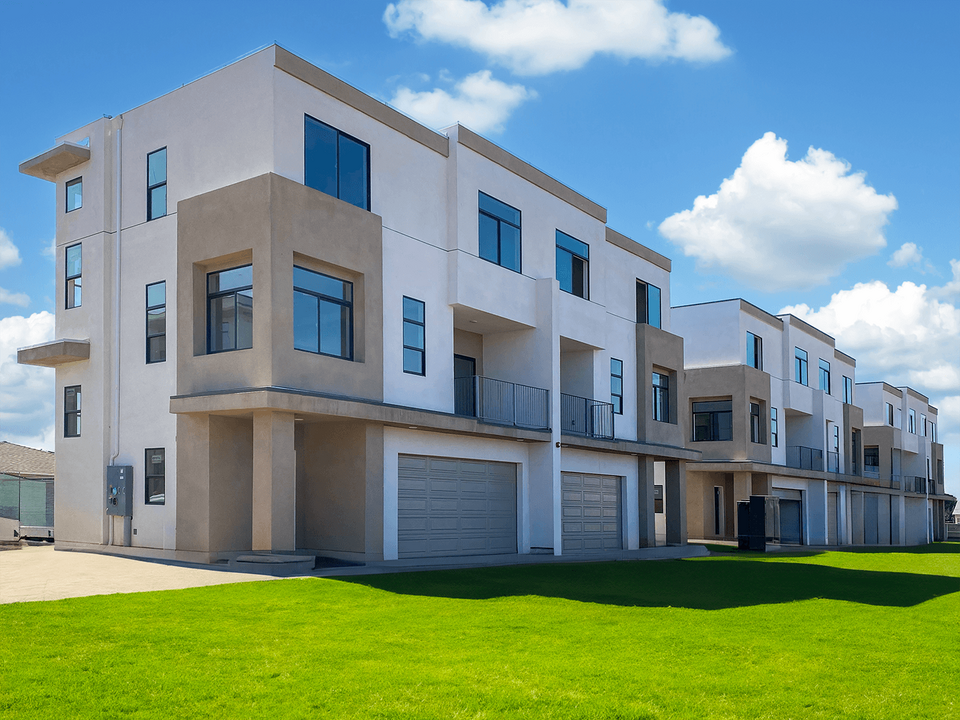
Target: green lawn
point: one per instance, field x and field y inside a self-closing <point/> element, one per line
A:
<point x="830" y="635"/>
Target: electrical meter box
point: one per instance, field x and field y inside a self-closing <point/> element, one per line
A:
<point x="120" y="490"/>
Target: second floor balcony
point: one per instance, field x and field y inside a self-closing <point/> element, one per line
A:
<point x="502" y="402"/>
<point x="587" y="417"/>
<point x="804" y="458"/>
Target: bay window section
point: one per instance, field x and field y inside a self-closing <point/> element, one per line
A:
<point x="322" y="314"/>
<point x="230" y="309"/>
<point x="713" y="421"/>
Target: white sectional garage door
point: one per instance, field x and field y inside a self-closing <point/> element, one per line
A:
<point x="448" y="506"/>
<point x="591" y="513"/>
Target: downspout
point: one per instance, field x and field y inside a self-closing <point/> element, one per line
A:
<point x="115" y="390"/>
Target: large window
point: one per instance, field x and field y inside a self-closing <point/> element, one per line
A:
<point x="73" y="275"/>
<point x="756" y="425"/>
<point x="774" y="428"/>
<point x="414" y="337"/>
<point x="335" y="163"/>
<point x="871" y="461"/>
<point x="847" y="391"/>
<point x="157" y="184"/>
<point x="800" y="365"/>
<point x="661" y="397"/>
<point x="825" y="376"/>
<point x="322" y="314"/>
<point x="573" y="265"/>
<point x="71" y="411"/>
<point x="75" y="194"/>
<point x="648" y="304"/>
<point x="230" y="309"/>
<point x="616" y="385"/>
<point x="157" y="322"/>
<point x="713" y="421"/>
<point x="754" y="351"/>
<point x="154" y="476"/>
<point x="499" y="233"/>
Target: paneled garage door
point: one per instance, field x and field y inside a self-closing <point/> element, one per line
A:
<point x="591" y="513"/>
<point x="450" y="507"/>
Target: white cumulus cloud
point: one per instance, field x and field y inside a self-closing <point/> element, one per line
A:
<point x="479" y="101"/>
<point x="777" y="223"/>
<point x="907" y="254"/>
<point x="26" y="392"/>
<point x="536" y="37"/>
<point x="9" y="254"/>
<point x="13" y="298"/>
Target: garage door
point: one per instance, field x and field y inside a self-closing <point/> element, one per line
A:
<point x="448" y="506"/>
<point x="591" y="513"/>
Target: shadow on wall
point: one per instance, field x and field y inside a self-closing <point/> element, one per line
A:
<point x="713" y="583"/>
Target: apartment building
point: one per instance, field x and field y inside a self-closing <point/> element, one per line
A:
<point x="775" y="409"/>
<point x="309" y="325"/>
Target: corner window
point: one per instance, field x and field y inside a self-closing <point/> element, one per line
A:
<point x="912" y="421"/>
<point x="230" y="309"/>
<point x="825" y="376"/>
<point x="74" y="271"/>
<point x="847" y="391"/>
<point x="800" y="365"/>
<point x="336" y="163"/>
<point x="756" y="426"/>
<point x="661" y="397"/>
<point x="648" y="304"/>
<point x="157" y="322"/>
<point x="157" y="184"/>
<point x="573" y="265"/>
<point x="499" y="233"/>
<point x="71" y="411"/>
<point x="774" y="430"/>
<point x="322" y="314"/>
<point x="889" y="408"/>
<point x="154" y="476"/>
<point x="754" y="351"/>
<point x="713" y="421"/>
<point x="75" y="194"/>
<point x="616" y="385"/>
<point x="414" y="337"/>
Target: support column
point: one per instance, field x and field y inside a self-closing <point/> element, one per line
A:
<point x="675" y="491"/>
<point x="742" y="490"/>
<point x="274" y="482"/>
<point x="761" y="484"/>
<point x="645" y="501"/>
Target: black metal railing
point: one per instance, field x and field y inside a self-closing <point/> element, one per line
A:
<point x="915" y="483"/>
<point x="583" y="416"/>
<point x="804" y="458"/>
<point x="502" y="402"/>
<point x="833" y="462"/>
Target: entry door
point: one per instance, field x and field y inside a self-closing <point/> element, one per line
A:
<point x="464" y="389"/>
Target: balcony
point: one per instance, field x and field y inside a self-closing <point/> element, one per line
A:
<point x="915" y="483"/>
<point x="583" y="416"/>
<point x="501" y="402"/>
<point x="804" y="458"/>
<point x="871" y="471"/>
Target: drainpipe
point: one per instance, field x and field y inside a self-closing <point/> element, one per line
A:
<point x="115" y="390"/>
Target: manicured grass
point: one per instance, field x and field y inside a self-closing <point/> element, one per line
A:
<point x="831" y="635"/>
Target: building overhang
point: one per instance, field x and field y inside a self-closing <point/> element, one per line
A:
<point x="630" y="447"/>
<point x="48" y="165"/>
<point x="55" y="353"/>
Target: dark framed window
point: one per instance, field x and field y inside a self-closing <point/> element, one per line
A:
<point x="713" y="421"/>
<point x="499" y="232"/>
<point x="336" y="163"/>
<point x="573" y="265"/>
<point x="648" y="304"/>
<point x="836" y="439"/>
<point x="754" y="351"/>
<point x="157" y="184"/>
<point x="616" y="385"/>
<point x="75" y="194"/>
<point x="923" y="424"/>
<point x="154" y="476"/>
<point x="774" y="430"/>
<point x="322" y="314"/>
<point x="871" y="460"/>
<point x="800" y="365"/>
<point x="661" y="397"/>
<point x="912" y="421"/>
<point x="71" y="411"/>
<point x="73" y="275"/>
<point x="157" y="322"/>
<point x="847" y="390"/>
<point x="825" y="376"/>
<point x="230" y="309"/>
<point x="414" y="337"/>
<point x="756" y="426"/>
<point x="889" y="414"/>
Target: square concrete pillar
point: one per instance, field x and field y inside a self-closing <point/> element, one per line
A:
<point x="274" y="482"/>
<point x="762" y="484"/>
<point x="675" y="492"/>
<point x="645" y="501"/>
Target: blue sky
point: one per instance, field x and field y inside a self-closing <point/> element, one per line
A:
<point x="641" y="106"/>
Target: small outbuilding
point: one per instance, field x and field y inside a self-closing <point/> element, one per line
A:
<point x="26" y="492"/>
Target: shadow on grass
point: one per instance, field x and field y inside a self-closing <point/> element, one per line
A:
<point x="713" y="584"/>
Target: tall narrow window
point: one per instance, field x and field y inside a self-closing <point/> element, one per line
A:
<point x="898" y="418"/>
<point x="157" y="322"/>
<point x="923" y="424"/>
<point x="774" y="430"/>
<point x="74" y="271"/>
<point x="661" y="397"/>
<point x="800" y="365"/>
<point x="154" y="476"/>
<point x="414" y="340"/>
<point x="616" y="385"/>
<point x="713" y="421"/>
<point x="836" y="438"/>
<point x="756" y="426"/>
<point x="499" y="233"/>
<point x="889" y="408"/>
<point x="230" y="309"/>
<point x="322" y="314"/>
<point x="157" y="184"/>
<point x="825" y="376"/>
<point x="75" y="194"/>
<point x="648" y="304"/>
<point x="847" y="391"/>
<point x="871" y="461"/>
<point x="912" y="421"/>
<point x="933" y="432"/>
<point x="71" y="411"/>
<point x="754" y="351"/>
<point x="336" y="163"/>
<point x="573" y="265"/>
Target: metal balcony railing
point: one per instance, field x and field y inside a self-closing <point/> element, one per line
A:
<point x="833" y="462"/>
<point x="871" y="471"/>
<point x="502" y="402"/>
<point x="583" y="416"/>
<point x="804" y="458"/>
<point x="914" y="483"/>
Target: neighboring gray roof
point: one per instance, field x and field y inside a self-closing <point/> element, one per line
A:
<point x="26" y="462"/>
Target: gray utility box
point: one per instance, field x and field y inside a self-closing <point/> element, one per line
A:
<point x="120" y="490"/>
